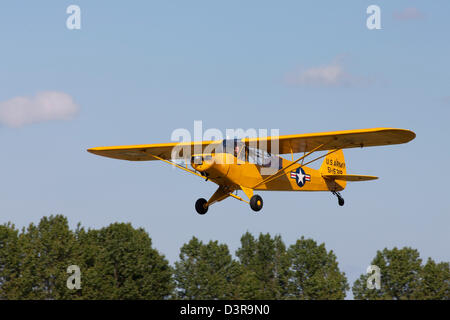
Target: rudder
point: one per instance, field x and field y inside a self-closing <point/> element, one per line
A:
<point x="334" y="164"/>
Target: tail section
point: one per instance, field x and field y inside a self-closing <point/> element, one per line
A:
<point x="334" y="164"/>
<point x="332" y="169"/>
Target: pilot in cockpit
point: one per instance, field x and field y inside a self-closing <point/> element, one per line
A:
<point x="236" y="151"/>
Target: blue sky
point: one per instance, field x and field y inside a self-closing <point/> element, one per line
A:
<point x="138" y="71"/>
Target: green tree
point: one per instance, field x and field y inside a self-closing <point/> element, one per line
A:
<point x="315" y="272"/>
<point x="118" y="262"/>
<point x="265" y="268"/>
<point x="9" y="261"/>
<point x="45" y="252"/>
<point x="401" y="274"/>
<point x="436" y="281"/>
<point x="205" y="271"/>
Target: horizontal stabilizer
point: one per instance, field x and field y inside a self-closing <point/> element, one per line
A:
<point x="348" y="177"/>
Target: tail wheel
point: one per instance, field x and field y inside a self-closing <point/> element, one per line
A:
<point x="340" y="199"/>
<point x="200" y="206"/>
<point x="256" y="202"/>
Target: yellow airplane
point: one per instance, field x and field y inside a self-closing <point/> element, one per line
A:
<point x="250" y="164"/>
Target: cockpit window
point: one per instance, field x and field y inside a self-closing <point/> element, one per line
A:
<point x="232" y="146"/>
<point x="263" y="158"/>
<point x="251" y="155"/>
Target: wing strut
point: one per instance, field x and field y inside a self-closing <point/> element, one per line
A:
<point x="178" y="166"/>
<point x="280" y="172"/>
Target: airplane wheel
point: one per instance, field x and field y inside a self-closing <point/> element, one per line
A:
<point x="200" y="206"/>
<point x="256" y="203"/>
<point x="340" y="199"/>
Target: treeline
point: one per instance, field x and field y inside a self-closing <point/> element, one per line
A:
<point x="119" y="262"/>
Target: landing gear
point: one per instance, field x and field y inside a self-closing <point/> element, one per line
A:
<point x="256" y="202"/>
<point x="340" y="199"/>
<point x="200" y="206"/>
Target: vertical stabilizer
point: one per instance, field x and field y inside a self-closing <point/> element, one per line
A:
<point x="334" y="164"/>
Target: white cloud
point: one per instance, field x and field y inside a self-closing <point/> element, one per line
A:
<point x="45" y="106"/>
<point x="331" y="75"/>
<point x="408" y="14"/>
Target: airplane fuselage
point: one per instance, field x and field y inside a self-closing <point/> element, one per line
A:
<point x="227" y="170"/>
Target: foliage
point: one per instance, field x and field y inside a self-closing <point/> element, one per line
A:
<point x="304" y="271"/>
<point x="315" y="272"/>
<point x="404" y="277"/>
<point x="116" y="262"/>
<point x="119" y="262"/>
<point x="265" y="267"/>
<point x="205" y="271"/>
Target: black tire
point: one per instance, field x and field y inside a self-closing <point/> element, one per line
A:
<point x="341" y="201"/>
<point x="256" y="203"/>
<point x="200" y="206"/>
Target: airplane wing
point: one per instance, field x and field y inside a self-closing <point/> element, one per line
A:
<point x="146" y="152"/>
<point x="332" y="140"/>
<point x="287" y="144"/>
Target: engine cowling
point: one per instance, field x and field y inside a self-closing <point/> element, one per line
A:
<point x="212" y="165"/>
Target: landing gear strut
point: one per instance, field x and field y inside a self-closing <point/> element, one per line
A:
<point x="200" y="206"/>
<point x="340" y="199"/>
